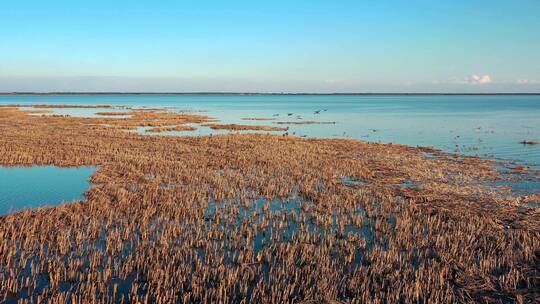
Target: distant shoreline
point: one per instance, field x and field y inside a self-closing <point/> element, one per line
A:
<point x="262" y="94"/>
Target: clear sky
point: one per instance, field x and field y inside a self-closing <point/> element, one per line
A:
<point x="271" y="46"/>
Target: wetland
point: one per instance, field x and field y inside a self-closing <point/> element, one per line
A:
<point x="265" y="217"/>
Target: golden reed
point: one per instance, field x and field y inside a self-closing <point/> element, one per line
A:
<point x="195" y="219"/>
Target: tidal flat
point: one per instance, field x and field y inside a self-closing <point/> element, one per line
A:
<point x="261" y="218"/>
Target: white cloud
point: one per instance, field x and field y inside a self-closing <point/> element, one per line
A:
<point x="468" y="80"/>
<point x="480" y="79"/>
<point x="527" y="81"/>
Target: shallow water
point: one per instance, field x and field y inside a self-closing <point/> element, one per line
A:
<point x="296" y="214"/>
<point x="489" y="126"/>
<point x="38" y="186"/>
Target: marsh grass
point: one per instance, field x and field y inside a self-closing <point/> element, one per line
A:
<point x="237" y="127"/>
<point x="172" y="129"/>
<point x="259" y="218"/>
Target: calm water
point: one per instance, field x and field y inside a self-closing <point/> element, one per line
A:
<point x="489" y="126"/>
<point x="28" y="187"/>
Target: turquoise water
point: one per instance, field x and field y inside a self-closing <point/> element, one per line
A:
<point x="489" y="126"/>
<point x="37" y="186"/>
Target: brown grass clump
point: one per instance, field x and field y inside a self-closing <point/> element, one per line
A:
<point x="532" y="198"/>
<point x="260" y="218"/>
<point x="146" y="118"/>
<point x="39" y="111"/>
<point x="235" y="127"/>
<point x="170" y="129"/>
<point x="113" y="113"/>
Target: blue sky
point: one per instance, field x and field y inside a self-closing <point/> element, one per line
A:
<point x="271" y="46"/>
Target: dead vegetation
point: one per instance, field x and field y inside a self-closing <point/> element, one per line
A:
<point x="236" y="127"/>
<point x="261" y="219"/>
<point x="172" y="129"/>
<point x="113" y="113"/>
<point x="161" y="120"/>
<point x="531" y="198"/>
<point x="57" y="106"/>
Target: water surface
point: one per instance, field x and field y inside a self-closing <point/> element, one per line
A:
<point x="38" y="186"/>
<point x="489" y="126"/>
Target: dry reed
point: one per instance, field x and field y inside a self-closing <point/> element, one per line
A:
<point x="260" y="218"/>
<point x="236" y="127"/>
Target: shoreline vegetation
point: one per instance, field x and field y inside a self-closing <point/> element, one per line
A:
<point x="171" y="129"/>
<point x="237" y="127"/>
<point x="261" y="218"/>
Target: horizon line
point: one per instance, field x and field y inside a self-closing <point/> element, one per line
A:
<point x="263" y="93"/>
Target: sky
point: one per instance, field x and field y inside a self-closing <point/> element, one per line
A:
<point x="270" y="46"/>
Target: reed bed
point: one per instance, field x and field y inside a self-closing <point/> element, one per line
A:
<point x="172" y="129"/>
<point x="262" y="219"/>
<point x="57" y="106"/>
<point x="113" y="113"/>
<point x="237" y="127"/>
<point x="160" y="120"/>
<point x="531" y="198"/>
